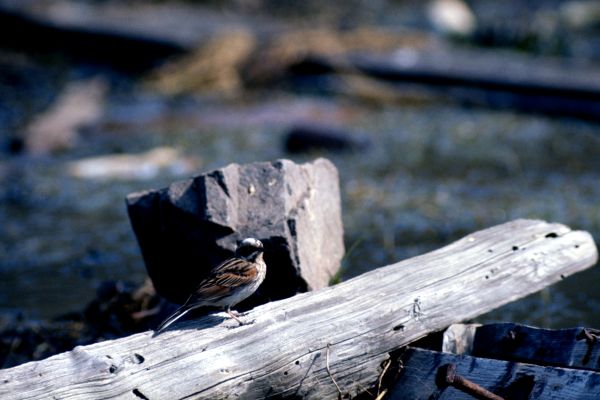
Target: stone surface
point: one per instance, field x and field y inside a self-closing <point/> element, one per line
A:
<point x="191" y="226"/>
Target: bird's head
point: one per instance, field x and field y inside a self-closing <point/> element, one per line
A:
<point x="250" y="249"/>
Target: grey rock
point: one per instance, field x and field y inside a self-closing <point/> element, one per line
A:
<point x="310" y="137"/>
<point x="191" y="226"/>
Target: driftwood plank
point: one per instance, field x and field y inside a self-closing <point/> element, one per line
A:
<point x="482" y="78"/>
<point x="572" y="348"/>
<point x="126" y="50"/>
<point x="318" y="344"/>
<point x="422" y="372"/>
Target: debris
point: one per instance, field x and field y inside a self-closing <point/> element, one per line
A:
<point x="142" y="166"/>
<point x="80" y="105"/>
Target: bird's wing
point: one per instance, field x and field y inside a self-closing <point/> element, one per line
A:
<point x="223" y="279"/>
<point x="227" y="276"/>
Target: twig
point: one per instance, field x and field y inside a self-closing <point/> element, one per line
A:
<point x="386" y="365"/>
<point x="329" y="372"/>
<point x="364" y="389"/>
<point x="380" y="395"/>
<point x="317" y="355"/>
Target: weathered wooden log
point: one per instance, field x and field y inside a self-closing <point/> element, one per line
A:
<point x="571" y="348"/>
<point x="319" y="344"/>
<point x="498" y="81"/>
<point x="423" y="377"/>
<point x="129" y="51"/>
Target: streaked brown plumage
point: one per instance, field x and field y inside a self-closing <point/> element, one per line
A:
<point x="227" y="284"/>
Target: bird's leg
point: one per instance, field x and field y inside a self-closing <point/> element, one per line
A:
<point x="232" y="315"/>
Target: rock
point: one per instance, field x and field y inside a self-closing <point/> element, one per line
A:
<point x="306" y="137"/>
<point x="191" y="226"/>
<point x="452" y="17"/>
<point x="580" y="14"/>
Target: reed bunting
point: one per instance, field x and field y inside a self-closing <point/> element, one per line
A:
<point x="227" y="284"/>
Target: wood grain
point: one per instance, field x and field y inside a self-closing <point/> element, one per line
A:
<point x="313" y="343"/>
<point x="570" y="348"/>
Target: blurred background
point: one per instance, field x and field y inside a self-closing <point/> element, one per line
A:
<point x="443" y="117"/>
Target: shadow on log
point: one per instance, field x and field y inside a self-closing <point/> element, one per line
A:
<point x="324" y="344"/>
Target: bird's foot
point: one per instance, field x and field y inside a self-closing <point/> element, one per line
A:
<point x="240" y="324"/>
<point x="235" y="315"/>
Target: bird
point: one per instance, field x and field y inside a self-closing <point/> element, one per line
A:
<point x="232" y="281"/>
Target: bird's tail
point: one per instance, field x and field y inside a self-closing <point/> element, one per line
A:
<point x="181" y="311"/>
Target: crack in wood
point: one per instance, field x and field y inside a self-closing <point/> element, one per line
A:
<point x="139" y="394"/>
